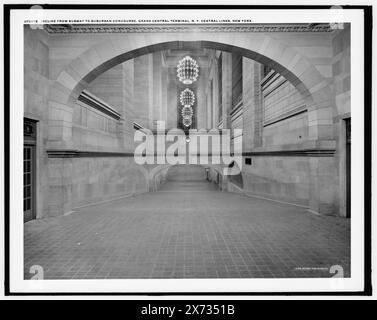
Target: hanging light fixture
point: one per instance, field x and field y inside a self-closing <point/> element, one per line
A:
<point x="187" y="122"/>
<point x="187" y="97"/>
<point x="187" y="70"/>
<point x="187" y="111"/>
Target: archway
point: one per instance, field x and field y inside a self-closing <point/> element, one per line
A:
<point x="98" y="59"/>
<point x="186" y="172"/>
<point x="286" y="60"/>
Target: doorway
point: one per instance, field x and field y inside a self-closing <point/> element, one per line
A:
<point x="29" y="169"/>
<point x="348" y="167"/>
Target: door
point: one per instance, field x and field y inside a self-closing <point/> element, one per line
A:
<point x="29" y="155"/>
<point x="348" y="167"/>
<point x="29" y="169"/>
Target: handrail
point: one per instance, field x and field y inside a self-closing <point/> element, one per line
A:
<point x="91" y="100"/>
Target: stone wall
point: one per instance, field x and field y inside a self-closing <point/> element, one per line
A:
<point x="201" y="103"/>
<point x="252" y="105"/>
<point x="93" y="130"/>
<point x="36" y="96"/>
<point x="66" y="183"/>
<point x="275" y="124"/>
<point x="143" y="93"/>
<point x="155" y="91"/>
<point x="128" y="105"/>
<point x="280" y="178"/>
<point x="288" y="131"/>
<point x="316" y="47"/>
<point x="108" y="86"/>
<point x="172" y="94"/>
<point x="91" y="180"/>
<point x="341" y="73"/>
<point x="282" y="121"/>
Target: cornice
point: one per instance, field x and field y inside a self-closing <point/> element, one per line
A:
<point x="163" y="28"/>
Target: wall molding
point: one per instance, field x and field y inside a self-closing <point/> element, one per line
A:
<point x="69" y="153"/>
<point x="250" y="195"/>
<point x="286" y="115"/>
<point x="272" y="84"/>
<point x="293" y="153"/>
<point x="237" y="107"/>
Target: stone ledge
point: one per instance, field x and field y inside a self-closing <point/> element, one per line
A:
<point x="305" y="145"/>
<point x="293" y="153"/>
<point x="69" y="153"/>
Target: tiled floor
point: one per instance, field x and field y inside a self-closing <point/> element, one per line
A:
<point x="188" y="230"/>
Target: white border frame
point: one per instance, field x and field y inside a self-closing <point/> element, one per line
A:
<point x="355" y="283"/>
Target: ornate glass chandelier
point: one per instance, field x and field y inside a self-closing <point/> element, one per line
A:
<point x="187" y="97"/>
<point x="187" y="122"/>
<point x="187" y="112"/>
<point x="187" y="70"/>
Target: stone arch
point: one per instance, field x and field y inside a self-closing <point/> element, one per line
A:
<point x="295" y="67"/>
<point x="262" y="48"/>
<point x="153" y="173"/>
<point x="186" y="172"/>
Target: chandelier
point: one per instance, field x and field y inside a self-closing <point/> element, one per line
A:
<point x="187" y="97"/>
<point x="187" y="70"/>
<point x="187" y="122"/>
<point x="187" y="112"/>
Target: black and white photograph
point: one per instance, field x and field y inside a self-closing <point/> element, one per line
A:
<point x="187" y="150"/>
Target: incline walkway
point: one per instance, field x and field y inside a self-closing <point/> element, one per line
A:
<point x="188" y="229"/>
